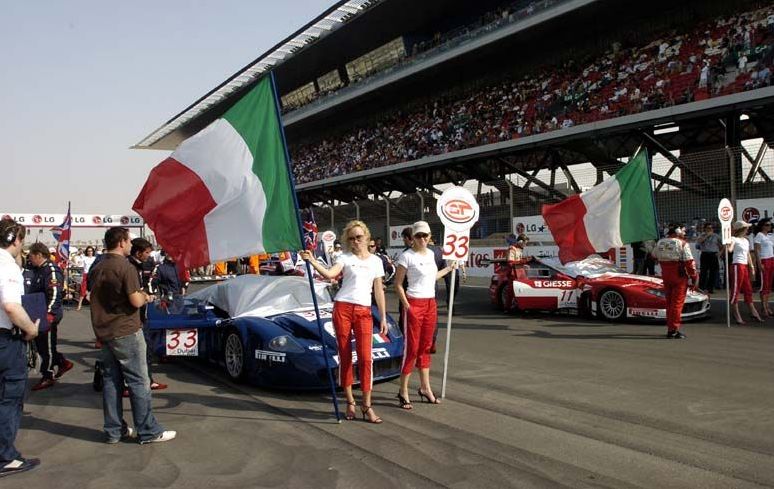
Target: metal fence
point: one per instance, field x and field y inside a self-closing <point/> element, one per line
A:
<point x="687" y="189"/>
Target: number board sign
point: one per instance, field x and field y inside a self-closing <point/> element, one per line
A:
<point x="182" y="342"/>
<point x="726" y="215"/>
<point x="458" y="211"/>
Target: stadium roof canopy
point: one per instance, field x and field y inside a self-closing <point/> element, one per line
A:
<point x="333" y="18"/>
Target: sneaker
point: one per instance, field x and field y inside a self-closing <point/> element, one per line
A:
<point x="164" y="436"/>
<point x="66" y="366"/>
<point x="18" y="466"/>
<point x="158" y="386"/>
<point x="126" y="435"/>
<point x="43" y="384"/>
<point x="679" y="336"/>
<point x="671" y="333"/>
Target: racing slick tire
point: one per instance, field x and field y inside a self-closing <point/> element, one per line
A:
<point x="234" y="357"/>
<point x="611" y="305"/>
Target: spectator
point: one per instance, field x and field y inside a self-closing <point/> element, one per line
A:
<point x="709" y="244"/>
<point x="88" y="260"/>
<point x="115" y="315"/>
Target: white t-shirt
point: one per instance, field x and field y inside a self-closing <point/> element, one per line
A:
<point x="766" y="243"/>
<point x="358" y="280"/>
<point x="421" y="271"/>
<point x="11" y="286"/>
<point x="741" y="250"/>
<point x="88" y="261"/>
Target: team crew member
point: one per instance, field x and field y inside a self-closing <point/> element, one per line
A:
<point x="677" y="267"/>
<point x="15" y="328"/>
<point x="88" y="260"/>
<point x="742" y="268"/>
<point x="48" y="278"/>
<point x="764" y="251"/>
<point x="418" y="264"/>
<point x="363" y="274"/>
<point x="516" y="246"/>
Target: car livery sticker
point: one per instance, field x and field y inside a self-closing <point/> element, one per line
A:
<point x="376" y="354"/>
<point x="566" y="298"/>
<point x="646" y="312"/>
<point x="270" y="356"/>
<point x="311" y="316"/>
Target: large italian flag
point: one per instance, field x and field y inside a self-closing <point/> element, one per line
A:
<point x="225" y="192"/>
<point x="618" y="211"/>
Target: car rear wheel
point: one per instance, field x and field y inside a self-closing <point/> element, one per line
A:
<point x="234" y="356"/>
<point x="612" y="305"/>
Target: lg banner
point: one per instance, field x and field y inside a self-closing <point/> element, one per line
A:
<point x="79" y="220"/>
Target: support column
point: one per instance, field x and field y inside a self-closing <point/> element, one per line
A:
<point x="357" y="209"/>
<point x="387" y="214"/>
<point x="330" y="206"/>
<point x="511" y="210"/>
<point x="733" y="142"/>
<point x="421" y="205"/>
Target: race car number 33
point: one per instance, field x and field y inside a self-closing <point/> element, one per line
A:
<point x="182" y="342"/>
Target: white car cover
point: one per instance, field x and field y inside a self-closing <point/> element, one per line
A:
<point x="258" y="295"/>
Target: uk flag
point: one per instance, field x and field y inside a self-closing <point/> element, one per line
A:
<point x="310" y="230"/>
<point x="62" y="235"/>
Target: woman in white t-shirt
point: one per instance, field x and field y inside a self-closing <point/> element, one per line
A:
<point x="88" y="260"/>
<point x="418" y="300"/>
<point x="742" y="268"/>
<point x="362" y="276"/>
<point x="764" y="254"/>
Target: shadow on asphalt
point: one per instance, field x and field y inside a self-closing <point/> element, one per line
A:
<point x="600" y="336"/>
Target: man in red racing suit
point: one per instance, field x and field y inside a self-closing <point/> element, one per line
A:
<point x="516" y="246"/>
<point x="677" y="266"/>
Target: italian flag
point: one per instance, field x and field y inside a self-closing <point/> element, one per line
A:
<point x="225" y="192"/>
<point x="618" y="211"/>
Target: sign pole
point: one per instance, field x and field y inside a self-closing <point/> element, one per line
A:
<point x="448" y="331"/>
<point x="458" y="211"/>
<point x="726" y="215"/>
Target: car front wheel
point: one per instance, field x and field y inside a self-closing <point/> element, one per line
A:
<point x="234" y="356"/>
<point x="612" y="305"/>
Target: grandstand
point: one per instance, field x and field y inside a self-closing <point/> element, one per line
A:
<point x="385" y="102"/>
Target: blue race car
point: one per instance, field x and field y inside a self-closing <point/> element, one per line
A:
<point x="263" y="330"/>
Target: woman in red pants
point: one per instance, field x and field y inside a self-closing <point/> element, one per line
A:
<point x="742" y="271"/>
<point x="418" y="300"/>
<point x="764" y="253"/>
<point x="363" y="274"/>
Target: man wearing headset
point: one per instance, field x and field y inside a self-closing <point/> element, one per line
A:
<point x="16" y="327"/>
<point x="677" y="268"/>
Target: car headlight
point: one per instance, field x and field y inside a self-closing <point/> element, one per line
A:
<point x="656" y="292"/>
<point x="286" y="344"/>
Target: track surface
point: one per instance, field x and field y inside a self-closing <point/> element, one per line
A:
<point x="537" y="401"/>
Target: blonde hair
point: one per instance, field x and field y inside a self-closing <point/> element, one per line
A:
<point x="355" y="224"/>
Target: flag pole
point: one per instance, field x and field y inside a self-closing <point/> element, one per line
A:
<point x="309" y="273"/>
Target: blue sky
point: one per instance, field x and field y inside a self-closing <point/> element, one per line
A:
<point x="82" y="80"/>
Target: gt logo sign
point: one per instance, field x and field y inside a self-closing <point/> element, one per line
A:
<point x="458" y="211"/>
<point x="558" y="284"/>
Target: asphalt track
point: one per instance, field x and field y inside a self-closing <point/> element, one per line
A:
<point x="540" y="401"/>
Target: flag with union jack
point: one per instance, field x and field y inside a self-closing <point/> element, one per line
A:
<point x="310" y="230"/>
<point x="62" y="235"/>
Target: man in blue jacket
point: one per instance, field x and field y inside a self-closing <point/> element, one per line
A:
<point x="48" y="278"/>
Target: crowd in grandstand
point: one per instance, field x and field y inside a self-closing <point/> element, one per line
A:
<point x="724" y="56"/>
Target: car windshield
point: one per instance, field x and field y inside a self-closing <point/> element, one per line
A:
<point x="593" y="266"/>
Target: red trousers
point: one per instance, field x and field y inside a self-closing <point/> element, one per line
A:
<point x="675" y="288"/>
<point x="739" y="279"/>
<point x="767" y="275"/>
<point x="348" y="319"/>
<point x="421" y="319"/>
<point x="84" y="284"/>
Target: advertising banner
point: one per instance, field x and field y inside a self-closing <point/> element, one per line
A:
<point x="534" y="227"/>
<point x="78" y="221"/>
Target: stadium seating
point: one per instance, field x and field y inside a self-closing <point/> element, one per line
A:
<point x="727" y="55"/>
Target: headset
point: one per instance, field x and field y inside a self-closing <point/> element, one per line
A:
<point x="10" y="236"/>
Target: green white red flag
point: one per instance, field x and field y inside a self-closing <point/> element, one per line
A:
<point x="226" y="191"/>
<point x="618" y="211"/>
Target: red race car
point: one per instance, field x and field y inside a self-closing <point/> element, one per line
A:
<point x="593" y="285"/>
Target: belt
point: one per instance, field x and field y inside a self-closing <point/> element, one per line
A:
<point x="6" y="332"/>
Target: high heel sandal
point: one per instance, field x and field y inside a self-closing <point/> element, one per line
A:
<point x="348" y="416"/>
<point x="426" y="398"/>
<point x="404" y="403"/>
<point x="364" y="411"/>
